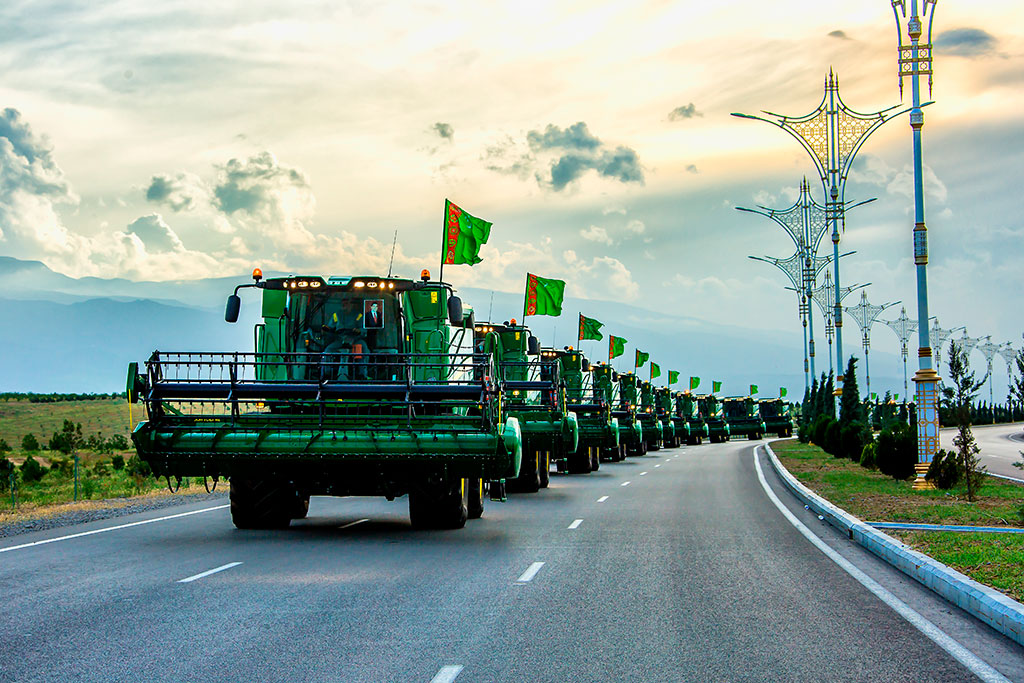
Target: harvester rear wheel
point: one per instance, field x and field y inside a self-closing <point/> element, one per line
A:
<point x="595" y="458"/>
<point x="579" y="462"/>
<point x="545" y="469"/>
<point x="475" y="505"/>
<point x="260" y="504"/>
<point x="528" y="480"/>
<point x="439" y="506"/>
<point x="300" y="507"/>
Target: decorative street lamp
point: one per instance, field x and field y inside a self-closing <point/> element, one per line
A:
<point x="832" y="134"/>
<point x="915" y="60"/>
<point x="967" y="343"/>
<point x="989" y="350"/>
<point x="866" y="314"/>
<point x="1009" y="354"/>
<point x="903" y="327"/>
<point x="939" y="336"/>
<point x="823" y="296"/>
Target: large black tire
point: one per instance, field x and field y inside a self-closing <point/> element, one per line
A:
<point x="545" y="469"/>
<point x="579" y="462"/>
<point x="261" y="503"/>
<point x="475" y="495"/>
<point x="595" y="458"/>
<point x="300" y="507"/>
<point x="439" y="506"/>
<point x="528" y="480"/>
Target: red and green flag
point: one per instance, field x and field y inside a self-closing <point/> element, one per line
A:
<point x="694" y="383"/>
<point x="753" y="389"/>
<point x="641" y="358"/>
<point x="590" y="328"/>
<point x="616" y="346"/>
<point x="716" y="386"/>
<point x="463" y="236"/>
<point x="673" y="377"/>
<point x="655" y="370"/>
<point x="543" y="295"/>
<point x="783" y="392"/>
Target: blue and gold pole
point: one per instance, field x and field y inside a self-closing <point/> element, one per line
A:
<point x="915" y="60"/>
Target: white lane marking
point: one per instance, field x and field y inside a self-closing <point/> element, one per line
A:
<point x="960" y="653"/>
<point x="358" y="521"/>
<point x="109" y="528"/>
<point x="602" y="499"/>
<point x="658" y="465"/>
<point x="202" y="575"/>
<point x="625" y="483"/>
<point x="669" y="459"/>
<point x="530" y="573"/>
<point x="675" y="456"/>
<point x="575" y="523"/>
<point x="447" y="674"/>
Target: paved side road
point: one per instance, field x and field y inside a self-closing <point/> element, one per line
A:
<point x="671" y="567"/>
<point x="1001" y="446"/>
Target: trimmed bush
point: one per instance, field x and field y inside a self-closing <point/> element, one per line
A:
<point x="819" y="428"/>
<point x="852" y="437"/>
<point x="944" y="471"/>
<point x="896" y="453"/>
<point x="867" y="456"/>
<point x="833" y="439"/>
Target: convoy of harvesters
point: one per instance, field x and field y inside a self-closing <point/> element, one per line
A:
<point x="387" y="386"/>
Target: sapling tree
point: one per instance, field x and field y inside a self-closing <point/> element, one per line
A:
<point x="958" y="399"/>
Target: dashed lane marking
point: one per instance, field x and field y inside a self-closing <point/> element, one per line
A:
<point x="602" y="499"/>
<point x="575" y="523"/>
<point x="642" y="473"/>
<point x="351" y="524"/>
<point x="208" y="572"/>
<point x="528" y="575"/>
<point x="447" y="674"/>
<point x="658" y="465"/>
<point x="625" y="483"/>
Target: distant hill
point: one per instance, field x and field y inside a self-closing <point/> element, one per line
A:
<point x="78" y="335"/>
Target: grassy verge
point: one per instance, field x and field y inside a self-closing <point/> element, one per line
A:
<point x="996" y="560"/>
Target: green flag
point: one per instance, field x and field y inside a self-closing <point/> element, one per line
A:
<point x="715" y="386"/>
<point x="753" y="389"/>
<point x="896" y="397"/>
<point x="874" y="396"/>
<point x="655" y="370"/>
<point x="673" y="376"/>
<point x="616" y="346"/>
<point x="694" y="383"/>
<point x="590" y="328"/>
<point x="463" y="236"/>
<point x="544" y="295"/>
<point x="783" y="392"/>
<point x="641" y="358"/>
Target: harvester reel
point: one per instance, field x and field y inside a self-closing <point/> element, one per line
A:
<point x="177" y="484"/>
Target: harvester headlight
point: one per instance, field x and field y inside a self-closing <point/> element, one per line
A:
<point x="371" y="284"/>
<point x="358" y="283"/>
<point x="303" y="283"/>
<point x="391" y="285"/>
<point x="314" y="284"/>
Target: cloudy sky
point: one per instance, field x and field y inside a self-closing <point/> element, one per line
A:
<point x="189" y="139"/>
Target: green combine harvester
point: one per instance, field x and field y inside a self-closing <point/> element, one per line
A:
<point x="743" y="417"/>
<point x="606" y="385"/>
<point x="597" y="430"/>
<point x="673" y="433"/>
<point x="534" y="396"/>
<point x="687" y="417"/>
<point x="653" y="434"/>
<point x="777" y="416"/>
<point x="631" y="435"/>
<point x="714" y="418"/>
<point x="358" y="386"/>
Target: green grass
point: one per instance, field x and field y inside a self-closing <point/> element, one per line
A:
<point x="996" y="560"/>
<point x="108" y="416"/>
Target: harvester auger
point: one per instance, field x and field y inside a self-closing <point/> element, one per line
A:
<point x="743" y="417"/>
<point x="532" y="393"/>
<point x="711" y="412"/>
<point x="358" y="386"/>
<point x="686" y="412"/>
<point x="596" y="428"/>
<point x="654" y="435"/>
<point x="626" y="411"/>
<point x="777" y="416"/>
<point x="673" y="432"/>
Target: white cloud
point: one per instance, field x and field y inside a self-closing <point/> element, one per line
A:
<point x="596" y="234"/>
<point x="636" y="227"/>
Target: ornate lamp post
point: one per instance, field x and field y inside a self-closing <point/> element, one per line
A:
<point x="1009" y="354"/>
<point x="939" y="336"/>
<point x="832" y="135"/>
<point x="866" y="314"/>
<point x="967" y="343"/>
<point x="903" y="327"/>
<point x="915" y="60"/>
<point x="823" y="296"/>
<point x="989" y="351"/>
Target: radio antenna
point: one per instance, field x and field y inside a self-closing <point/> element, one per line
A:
<point x="491" y="307"/>
<point x="392" y="261"/>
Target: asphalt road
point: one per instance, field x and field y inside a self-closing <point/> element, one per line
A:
<point x="1001" y="446"/>
<point x="688" y="572"/>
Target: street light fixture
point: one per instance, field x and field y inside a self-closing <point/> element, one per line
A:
<point x="866" y="314"/>
<point x="939" y="336"/>
<point x="903" y="327"/>
<point x="823" y="296"/>
<point x="989" y="350"/>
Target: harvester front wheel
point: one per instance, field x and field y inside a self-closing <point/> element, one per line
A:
<point x="475" y="504"/>
<point x="528" y="480"/>
<point x="300" y="507"/>
<point x="595" y="458"/>
<point x="545" y="469"/>
<point x="579" y="462"/>
<point x="260" y="504"/>
<point x="439" y="506"/>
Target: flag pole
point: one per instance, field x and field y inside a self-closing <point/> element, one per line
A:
<point x="526" y="294"/>
<point x="444" y="240"/>
<point x="579" y="334"/>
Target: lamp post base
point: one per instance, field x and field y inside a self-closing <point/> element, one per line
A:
<point x="926" y="384"/>
<point x="920" y="483"/>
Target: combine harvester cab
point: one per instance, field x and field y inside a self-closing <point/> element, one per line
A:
<point x="672" y="436"/>
<point x="626" y="411"/>
<point x="777" y="416"/>
<point x="532" y="393"/>
<point x="654" y="436"/>
<point x="594" y="421"/>
<point x="686" y="412"/>
<point x="363" y="386"/>
<point x="606" y="389"/>
<point x="743" y="416"/>
<point x="714" y="418"/>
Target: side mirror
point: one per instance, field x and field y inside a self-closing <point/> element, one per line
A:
<point x="532" y="346"/>
<point x="231" y="310"/>
<point x="455" y="311"/>
<point x="615" y="376"/>
<point x="586" y="365"/>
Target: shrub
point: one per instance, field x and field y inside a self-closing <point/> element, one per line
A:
<point x="137" y="467"/>
<point x="88" y="488"/>
<point x="896" y="453"/>
<point x="61" y="466"/>
<point x="117" y="462"/>
<point x="4" y="446"/>
<point x="852" y="437"/>
<point x="29" y="443"/>
<point x="867" y="456"/>
<point x="6" y="467"/>
<point x="118" y="443"/>
<point x="833" y="442"/>
<point x="819" y="428"/>
<point x="31" y="470"/>
<point x="944" y="471"/>
<point x="100" y="469"/>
